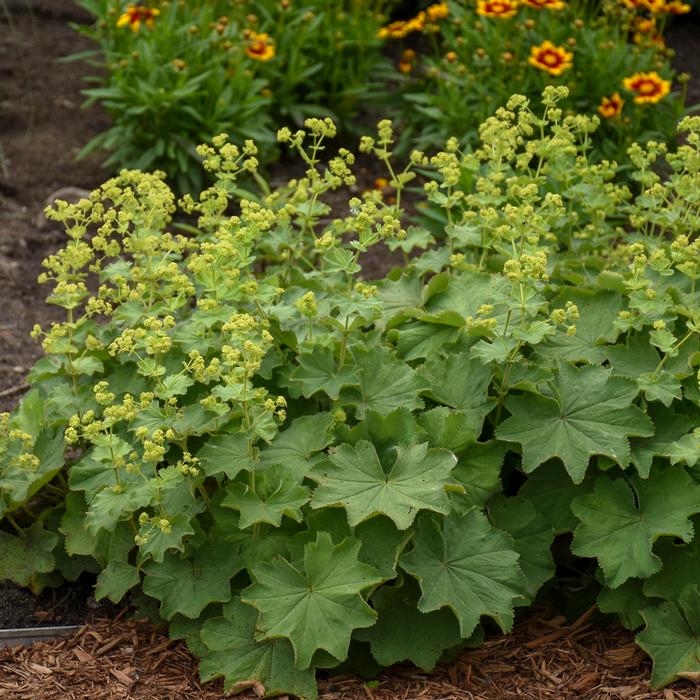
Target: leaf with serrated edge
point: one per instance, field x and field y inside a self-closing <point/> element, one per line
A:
<point x="354" y="479"/>
<point x="116" y="580"/>
<point x="551" y="491"/>
<point x="478" y="473"/>
<point x="619" y="526"/>
<point x="532" y="538"/>
<point x="187" y="586"/>
<point x="404" y="633"/>
<point x="159" y="542"/>
<point x="460" y="382"/>
<point x="277" y="493"/>
<point x="669" y="428"/>
<point x="227" y="454"/>
<point x="318" y="371"/>
<point x="681" y="566"/>
<point x="672" y="637"/>
<point x="316" y="604"/>
<point x="23" y="557"/>
<point x="591" y="414"/>
<point x="386" y="383"/>
<point x="241" y="660"/>
<point x="626" y="601"/>
<point x="297" y="447"/>
<point x="467" y="566"/>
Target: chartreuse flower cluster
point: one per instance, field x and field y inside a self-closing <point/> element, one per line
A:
<point x="238" y="424"/>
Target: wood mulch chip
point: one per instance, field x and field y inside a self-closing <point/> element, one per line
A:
<point x="543" y="659"/>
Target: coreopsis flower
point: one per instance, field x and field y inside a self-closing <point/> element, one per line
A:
<point x="134" y="15"/>
<point x="402" y="28"/>
<point x="550" y="58"/>
<point x="545" y="4"/>
<point x="635" y="5"/>
<point x="394" y="30"/>
<point x="416" y="24"/>
<point x="438" y="10"/>
<point x="675" y="7"/>
<point x="260" y="46"/>
<point x="611" y="107"/>
<point x="648" y="88"/>
<point x="503" y="9"/>
<point x="646" y="32"/>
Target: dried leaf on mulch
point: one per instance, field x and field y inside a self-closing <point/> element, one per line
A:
<point x="543" y="659"/>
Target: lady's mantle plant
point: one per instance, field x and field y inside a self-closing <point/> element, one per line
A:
<point x="299" y="465"/>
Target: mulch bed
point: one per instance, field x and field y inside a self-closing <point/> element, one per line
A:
<point x="543" y="659"/>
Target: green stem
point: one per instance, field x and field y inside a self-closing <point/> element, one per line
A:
<point x="14" y="524"/>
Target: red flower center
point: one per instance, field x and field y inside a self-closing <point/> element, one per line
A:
<point x="549" y="58"/>
<point x="645" y="87"/>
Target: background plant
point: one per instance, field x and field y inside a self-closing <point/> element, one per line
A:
<point x="175" y="74"/>
<point x="475" y="58"/>
<point x="257" y="438"/>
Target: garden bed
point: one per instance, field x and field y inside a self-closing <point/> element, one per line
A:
<point x="541" y="660"/>
<point x="42" y="128"/>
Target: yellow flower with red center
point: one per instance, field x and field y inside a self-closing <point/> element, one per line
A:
<point x="503" y="9"/>
<point x="260" y="46"/>
<point x="545" y="4"/>
<point x="395" y="30"/>
<point x="134" y="15"/>
<point x="675" y="7"/>
<point x="611" y="107"/>
<point x="402" y="28"/>
<point x="439" y="10"/>
<point x="652" y="5"/>
<point x="648" y="88"/>
<point x="550" y="58"/>
<point x="416" y="24"/>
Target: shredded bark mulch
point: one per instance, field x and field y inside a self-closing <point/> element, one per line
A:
<point x="543" y="659"/>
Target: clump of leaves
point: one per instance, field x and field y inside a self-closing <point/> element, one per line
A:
<point x="298" y="464"/>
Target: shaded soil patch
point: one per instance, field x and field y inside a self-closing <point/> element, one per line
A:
<point x="69" y="604"/>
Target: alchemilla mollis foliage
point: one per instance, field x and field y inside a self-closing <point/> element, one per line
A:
<point x="297" y="464"/>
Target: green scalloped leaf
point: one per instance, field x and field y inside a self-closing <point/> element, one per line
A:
<point x="188" y="585"/>
<point x="355" y="479"/>
<point x="297" y="447"/>
<point x="404" y="633"/>
<point x="318" y="371"/>
<point x="590" y="413"/>
<point x="386" y="383"/>
<point x="672" y="637"/>
<point x="315" y="603"/>
<point x="620" y="521"/>
<point x="116" y="580"/>
<point x="277" y="493"/>
<point x="462" y="563"/>
<point x="235" y="655"/>
<point x="532" y="538"/>
<point x="21" y="558"/>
